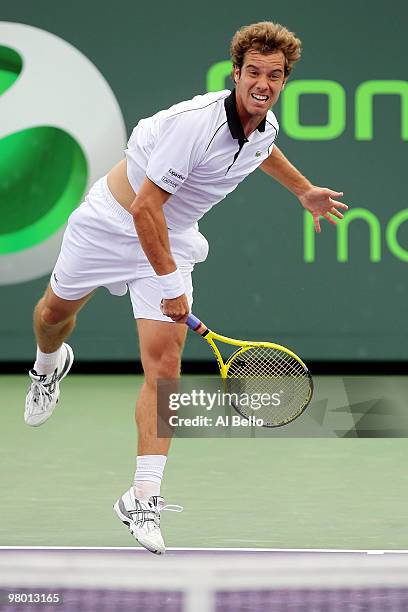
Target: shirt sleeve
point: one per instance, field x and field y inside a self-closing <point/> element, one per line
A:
<point x="272" y="120"/>
<point x="176" y="151"/>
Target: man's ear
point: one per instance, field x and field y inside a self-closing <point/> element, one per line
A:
<point x="283" y="84"/>
<point x="237" y="73"/>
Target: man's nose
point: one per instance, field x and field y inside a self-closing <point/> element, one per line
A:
<point x="262" y="82"/>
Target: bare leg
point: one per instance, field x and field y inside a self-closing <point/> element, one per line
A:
<point x="54" y="320"/>
<point x="161" y="345"/>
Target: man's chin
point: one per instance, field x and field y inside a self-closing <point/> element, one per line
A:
<point x="259" y="113"/>
<point x="259" y="109"/>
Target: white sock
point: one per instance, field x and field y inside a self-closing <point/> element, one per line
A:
<point x="148" y="475"/>
<point x="46" y="363"/>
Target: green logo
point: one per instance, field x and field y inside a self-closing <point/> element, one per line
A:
<point x="61" y="130"/>
<point x="373" y="227"/>
<point x="334" y="127"/>
<point x="335" y="94"/>
<point x="43" y="175"/>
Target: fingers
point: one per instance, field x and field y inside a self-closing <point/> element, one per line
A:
<point x="176" y="309"/>
<point x="183" y="319"/>
<point x="329" y="219"/>
<point x="338" y="204"/>
<point x="328" y="209"/>
<point x="336" y="213"/>
<point x="179" y="318"/>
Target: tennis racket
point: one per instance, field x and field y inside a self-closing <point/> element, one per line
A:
<point x="258" y="369"/>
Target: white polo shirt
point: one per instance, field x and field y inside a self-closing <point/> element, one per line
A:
<point x="197" y="151"/>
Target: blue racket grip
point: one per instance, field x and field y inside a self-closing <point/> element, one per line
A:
<point x="193" y="322"/>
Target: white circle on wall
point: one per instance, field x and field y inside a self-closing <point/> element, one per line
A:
<point x="59" y="87"/>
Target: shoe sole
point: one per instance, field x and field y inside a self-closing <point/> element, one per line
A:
<point x="126" y="522"/>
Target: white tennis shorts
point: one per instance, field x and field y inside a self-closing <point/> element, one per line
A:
<point x="101" y="249"/>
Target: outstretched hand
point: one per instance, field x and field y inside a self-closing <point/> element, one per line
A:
<point x="320" y="203"/>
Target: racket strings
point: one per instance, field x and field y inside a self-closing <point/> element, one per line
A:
<point x="266" y="371"/>
<point x="263" y="361"/>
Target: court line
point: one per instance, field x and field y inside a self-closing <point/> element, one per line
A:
<point x="221" y="550"/>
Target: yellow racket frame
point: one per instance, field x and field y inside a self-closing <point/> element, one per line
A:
<point x="210" y="336"/>
<point x="243" y="345"/>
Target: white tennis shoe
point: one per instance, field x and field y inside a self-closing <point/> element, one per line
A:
<point x="43" y="394"/>
<point x="143" y="519"/>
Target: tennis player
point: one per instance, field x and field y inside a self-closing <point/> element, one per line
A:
<point x="137" y="230"/>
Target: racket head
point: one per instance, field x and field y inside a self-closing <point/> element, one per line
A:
<point x="266" y="369"/>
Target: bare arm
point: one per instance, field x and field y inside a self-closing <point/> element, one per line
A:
<point x="280" y="168"/>
<point x="151" y="227"/>
<point x="317" y="200"/>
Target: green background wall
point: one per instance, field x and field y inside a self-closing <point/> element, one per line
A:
<point x="256" y="282"/>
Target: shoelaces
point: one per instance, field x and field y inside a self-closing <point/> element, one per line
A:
<point x="39" y="395"/>
<point x="152" y="514"/>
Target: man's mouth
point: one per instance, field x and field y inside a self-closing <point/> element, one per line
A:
<point x="259" y="97"/>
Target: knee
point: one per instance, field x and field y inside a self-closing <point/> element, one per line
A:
<point x="169" y="365"/>
<point x="165" y="366"/>
<point x="50" y="315"/>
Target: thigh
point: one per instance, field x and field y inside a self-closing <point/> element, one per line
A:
<point x="64" y="309"/>
<point x="160" y="341"/>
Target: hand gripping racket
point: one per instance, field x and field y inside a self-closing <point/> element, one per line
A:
<point x="261" y="369"/>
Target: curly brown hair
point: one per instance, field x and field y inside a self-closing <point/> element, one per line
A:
<point x="265" y="37"/>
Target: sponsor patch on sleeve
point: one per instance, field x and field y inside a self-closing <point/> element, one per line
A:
<point x="168" y="182"/>
<point x="173" y="178"/>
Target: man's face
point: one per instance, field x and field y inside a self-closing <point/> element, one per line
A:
<point x="259" y="82"/>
